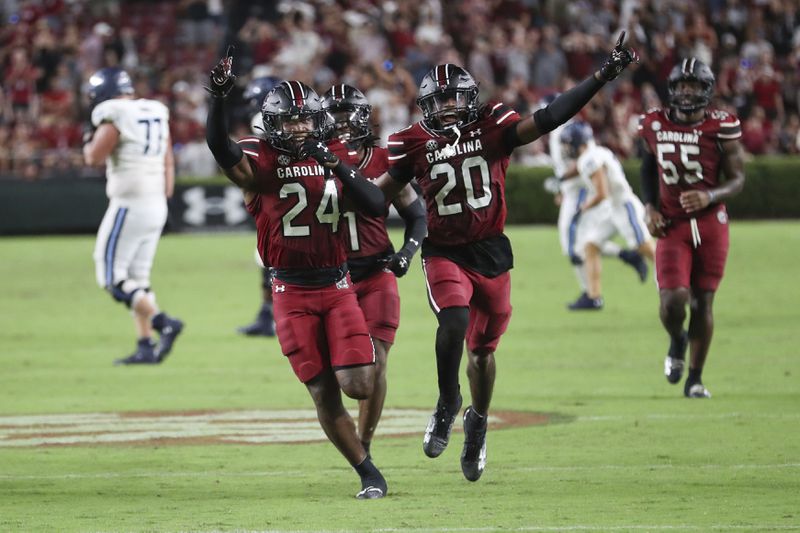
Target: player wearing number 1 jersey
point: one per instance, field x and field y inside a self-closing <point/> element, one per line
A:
<point x="374" y="265"/>
<point x="688" y="146"/>
<point x="295" y="184"/>
<point x="459" y="154"/>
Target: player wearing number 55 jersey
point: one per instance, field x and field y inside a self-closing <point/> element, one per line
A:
<point x="459" y="154"/>
<point x="131" y="136"/>
<point x="295" y="184"/>
<point x="687" y="147"/>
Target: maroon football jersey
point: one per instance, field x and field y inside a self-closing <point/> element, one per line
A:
<point x="464" y="186"/>
<point x="688" y="155"/>
<point x="367" y="236"/>
<point x="297" y="209"/>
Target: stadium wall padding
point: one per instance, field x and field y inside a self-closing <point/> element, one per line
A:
<point x="76" y="205"/>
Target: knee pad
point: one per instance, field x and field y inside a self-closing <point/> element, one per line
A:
<point x="128" y="292"/>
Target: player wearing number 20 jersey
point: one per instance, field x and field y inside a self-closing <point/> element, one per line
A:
<point x="459" y="153"/>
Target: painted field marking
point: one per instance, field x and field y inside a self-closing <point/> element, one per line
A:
<point x="208" y="427"/>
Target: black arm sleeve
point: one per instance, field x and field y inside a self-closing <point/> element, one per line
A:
<point x="649" y="179"/>
<point x="566" y="105"/>
<point x="416" y="226"/>
<point x="367" y="197"/>
<point x="226" y="152"/>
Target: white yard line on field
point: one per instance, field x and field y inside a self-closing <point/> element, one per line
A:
<point x="317" y="473"/>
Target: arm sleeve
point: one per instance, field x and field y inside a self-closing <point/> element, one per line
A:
<point x="566" y="105"/>
<point x="367" y="197"/>
<point x="416" y="226"/>
<point x="649" y="179"/>
<point x="226" y="152"/>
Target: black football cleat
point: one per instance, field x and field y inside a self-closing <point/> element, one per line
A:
<point x="145" y="354"/>
<point x="263" y="326"/>
<point x="696" y="390"/>
<point x="437" y="434"/>
<point x="473" y="456"/>
<point x="372" y="489"/>
<point x="585" y="303"/>
<point x="636" y="261"/>
<point x="168" y="333"/>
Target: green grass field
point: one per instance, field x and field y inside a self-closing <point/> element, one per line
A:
<point x="623" y="450"/>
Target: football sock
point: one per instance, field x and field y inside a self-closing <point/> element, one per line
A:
<point x="145" y="342"/>
<point x="159" y="321"/>
<point x="453" y="323"/>
<point x="367" y="470"/>
<point x="266" y="310"/>
<point x="694" y="376"/>
<point x="677" y="347"/>
<point x="366" y="446"/>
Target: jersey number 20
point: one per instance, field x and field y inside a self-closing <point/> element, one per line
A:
<point x="446" y="170"/>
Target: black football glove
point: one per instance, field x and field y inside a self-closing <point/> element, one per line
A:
<point x="398" y="263"/>
<point x="221" y="79"/>
<point x="317" y="150"/>
<point x="619" y="58"/>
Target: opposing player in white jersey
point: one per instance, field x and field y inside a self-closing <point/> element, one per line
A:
<point x="571" y="192"/>
<point x="264" y="323"/>
<point x="611" y="208"/>
<point x="131" y="136"/>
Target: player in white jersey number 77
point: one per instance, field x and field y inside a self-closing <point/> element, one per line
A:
<point x="131" y="136"/>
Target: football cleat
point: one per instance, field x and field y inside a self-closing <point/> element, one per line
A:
<point x="636" y="261"/>
<point x="168" y="333"/>
<point x="144" y="355"/>
<point x="697" y="390"/>
<point x="674" y="363"/>
<point x="585" y="303"/>
<point x="473" y="456"/>
<point x="372" y="488"/>
<point x="437" y="434"/>
<point x="263" y="326"/>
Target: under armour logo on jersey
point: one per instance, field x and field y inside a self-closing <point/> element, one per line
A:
<point x="413" y="241"/>
<point x="353" y="174"/>
<point x="199" y="206"/>
<point x="278" y="288"/>
<point x="322" y="147"/>
<point x="475" y="133"/>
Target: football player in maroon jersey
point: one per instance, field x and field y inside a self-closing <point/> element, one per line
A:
<point x="459" y="153"/>
<point x="373" y="263"/>
<point x="687" y="147"/>
<point x="294" y="183"/>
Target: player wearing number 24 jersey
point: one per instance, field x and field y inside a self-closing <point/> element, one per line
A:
<point x="296" y="185"/>
<point x="459" y="153"/>
<point x="687" y="148"/>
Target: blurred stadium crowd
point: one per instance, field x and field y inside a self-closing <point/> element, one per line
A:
<point x="519" y="50"/>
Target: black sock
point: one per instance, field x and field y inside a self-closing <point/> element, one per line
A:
<point x="694" y="376"/>
<point x="453" y="323"/>
<point x="370" y="475"/>
<point x="145" y="342"/>
<point x="677" y="348"/>
<point x="159" y="321"/>
<point x="266" y="310"/>
<point x="366" y="446"/>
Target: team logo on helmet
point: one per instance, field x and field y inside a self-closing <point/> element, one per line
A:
<point x="292" y="112"/>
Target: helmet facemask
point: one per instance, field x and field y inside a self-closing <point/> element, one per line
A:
<point x="287" y="132"/>
<point x="689" y="94"/>
<point x="351" y="122"/>
<point x="450" y="107"/>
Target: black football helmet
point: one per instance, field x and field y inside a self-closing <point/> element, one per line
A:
<point x="350" y="111"/>
<point x="448" y="96"/>
<point x="690" y="70"/>
<point x="257" y="89"/>
<point x="574" y="135"/>
<point x="292" y="102"/>
<point x="108" y="83"/>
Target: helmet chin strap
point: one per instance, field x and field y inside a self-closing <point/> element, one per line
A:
<point x="450" y="149"/>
